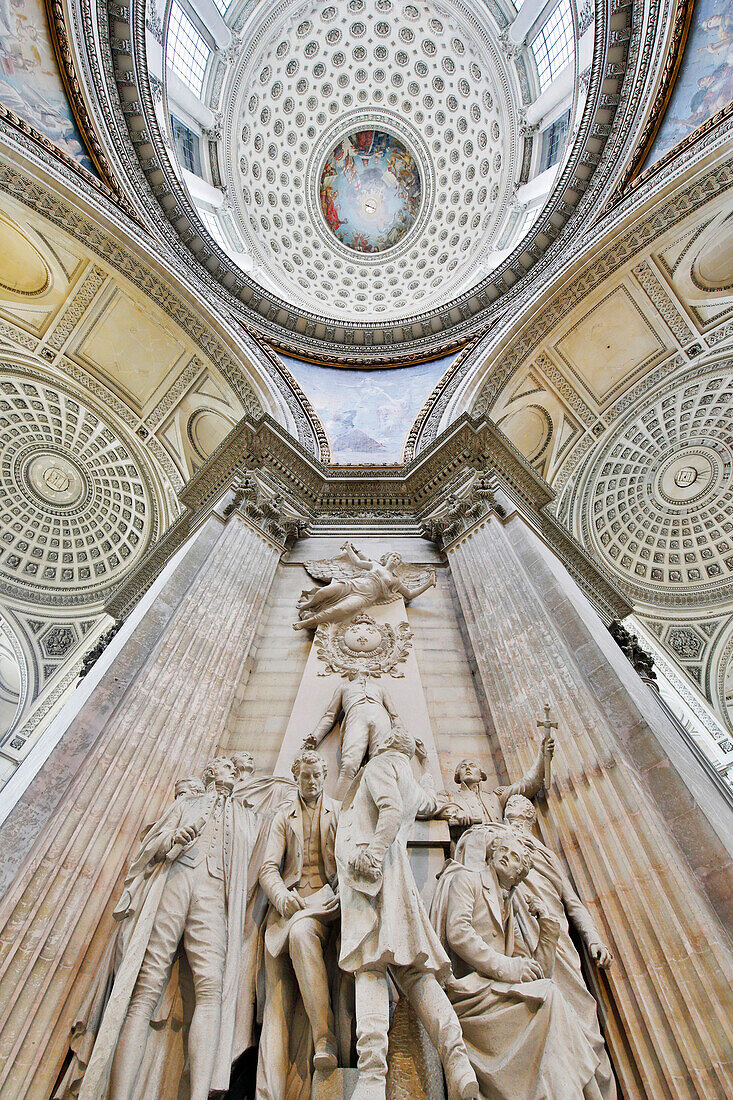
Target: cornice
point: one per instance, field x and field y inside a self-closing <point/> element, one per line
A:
<point x="312" y="495"/>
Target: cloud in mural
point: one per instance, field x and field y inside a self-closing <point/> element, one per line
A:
<point x="705" y="81"/>
<point x="368" y="413"/>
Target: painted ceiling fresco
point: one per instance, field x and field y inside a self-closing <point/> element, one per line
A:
<point x="705" y="81"/>
<point x="368" y="413"/>
<point x="30" y="83"/>
<point x="370" y="191"/>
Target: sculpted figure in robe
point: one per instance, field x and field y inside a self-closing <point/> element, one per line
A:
<point x="523" y="1037"/>
<point x="298" y="876"/>
<point x="384" y="924"/>
<point x="356" y="582"/>
<point x="187" y="884"/>
<point x="548" y="882"/>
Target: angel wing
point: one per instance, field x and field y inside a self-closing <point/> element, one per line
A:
<point x="410" y="576"/>
<point x="328" y="569"/>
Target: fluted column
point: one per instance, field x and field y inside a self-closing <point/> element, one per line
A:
<point x="615" y="807"/>
<point x="56" y="917"/>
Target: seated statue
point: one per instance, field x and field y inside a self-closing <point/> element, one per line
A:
<point x="298" y="876"/>
<point x="523" y="1039"/>
<point x="548" y="882"/>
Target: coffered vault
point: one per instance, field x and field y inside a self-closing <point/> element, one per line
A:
<point x="539" y="279"/>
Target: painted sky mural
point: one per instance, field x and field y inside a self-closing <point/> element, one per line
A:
<point x="368" y="413"/>
<point x="705" y="81"/>
<point x="30" y="83"/>
<point x="370" y="191"/>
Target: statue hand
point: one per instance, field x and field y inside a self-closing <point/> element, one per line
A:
<point x="537" y="909"/>
<point x="184" y="835"/>
<point x="520" y="970"/>
<point x="433" y="578"/>
<point x="364" y="865"/>
<point x="600" y="955"/>
<point x="292" y="904"/>
<point x="420" y="751"/>
<point x="310" y="742"/>
<point x="549" y="746"/>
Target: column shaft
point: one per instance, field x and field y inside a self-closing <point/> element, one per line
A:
<point x="56" y="917"/>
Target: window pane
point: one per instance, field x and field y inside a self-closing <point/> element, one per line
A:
<point x="187" y="146"/>
<point x="553" y="48"/>
<point x="553" y="141"/>
<point x="187" y="51"/>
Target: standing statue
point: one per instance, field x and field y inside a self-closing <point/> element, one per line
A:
<point x="187" y="884"/>
<point x="384" y="924"/>
<point x="548" y="882"/>
<point x="356" y="582"/>
<point x="298" y="876"/>
<point x="523" y="1039"/>
<point x="367" y="715"/>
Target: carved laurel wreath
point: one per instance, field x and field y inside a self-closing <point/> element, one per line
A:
<point x="337" y="657"/>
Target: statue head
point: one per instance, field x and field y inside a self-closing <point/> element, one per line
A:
<point x="510" y="858"/>
<point x="362" y="635"/>
<point x="220" y="773"/>
<point x="243" y="762"/>
<point x="309" y="772"/>
<point x="520" y="813"/>
<point x="391" y="560"/>
<point x="469" y="772"/>
<point x="399" y="740"/>
<point x="188" y="785"/>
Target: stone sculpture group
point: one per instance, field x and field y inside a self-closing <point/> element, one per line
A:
<point x="257" y="906"/>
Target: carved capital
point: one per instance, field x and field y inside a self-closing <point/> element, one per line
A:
<point x="266" y="511"/>
<point x="462" y="510"/>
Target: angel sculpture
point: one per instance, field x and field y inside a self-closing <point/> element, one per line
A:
<point x="355" y="584"/>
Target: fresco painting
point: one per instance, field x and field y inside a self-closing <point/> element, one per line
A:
<point x="705" y="80"/>
<point x="368" y="413"/>
<point x="370" y="191"/>
<point x="30" y="82"/>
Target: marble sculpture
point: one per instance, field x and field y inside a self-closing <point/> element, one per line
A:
<point x="256" y="898"/>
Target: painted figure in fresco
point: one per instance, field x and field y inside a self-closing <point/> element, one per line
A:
<point x="356" y="582"/>
<point x="298" y="876"/>
<point x="384" y="924"/>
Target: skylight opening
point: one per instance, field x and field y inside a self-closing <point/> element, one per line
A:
<point x="187" y="53"/>
<point x="223" y="5"/>
<point x="554" y="46"/>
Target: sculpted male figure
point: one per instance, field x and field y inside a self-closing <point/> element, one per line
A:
<point x="522" y="1037"/>
<point x="481" y="806"/>
<point x="187" y="883"/>
<point x="367" y="716"/>
<point x="548" y="882"/>
<point x="298" y="876"/>
<point x="383" y="921"/>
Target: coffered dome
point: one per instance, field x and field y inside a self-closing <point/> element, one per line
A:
<point x="426" y="76"/>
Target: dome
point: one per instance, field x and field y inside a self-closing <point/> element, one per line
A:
<point x="426" y="91"/>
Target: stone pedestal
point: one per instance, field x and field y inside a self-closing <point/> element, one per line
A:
<point x="645" y="851"/>
<point x="157" y="710"/>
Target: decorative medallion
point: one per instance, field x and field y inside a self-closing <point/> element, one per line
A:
<point x="362" y="647"/>
<point x="370" y="190"/>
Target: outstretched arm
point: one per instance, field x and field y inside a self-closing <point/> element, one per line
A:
<point x="410" y="593"/>
<point x="357" y="559"/>
<point x="326" y="724"/>
<point x="531" y="783"/>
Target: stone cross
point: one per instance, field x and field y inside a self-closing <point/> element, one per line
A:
<point x="548" y="727"/>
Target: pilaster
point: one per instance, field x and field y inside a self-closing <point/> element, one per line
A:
<point x="117" y="762"/>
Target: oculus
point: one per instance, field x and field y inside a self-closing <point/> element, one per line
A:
<point x="370" y="190"/>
